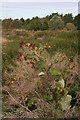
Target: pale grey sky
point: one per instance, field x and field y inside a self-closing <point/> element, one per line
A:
<point x="32" y="9"/>
<point x="39" y="0"/>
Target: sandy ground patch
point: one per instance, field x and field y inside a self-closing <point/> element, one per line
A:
<point x="4" y="40"/>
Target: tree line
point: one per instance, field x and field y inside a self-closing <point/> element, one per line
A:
<point x="53" y="21"/>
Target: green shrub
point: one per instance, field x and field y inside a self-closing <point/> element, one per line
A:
<point x="39" y="34"/>
<point x="16" y="24"/>
<point x="45" y="26"/>
<point x="56" y="23"/>
<point x="70" y="26"/>
<point x="0" y="24"/>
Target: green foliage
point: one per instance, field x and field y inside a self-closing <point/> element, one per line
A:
<point x="58" y="113"/>
<point x="6" y="110"/>
<point x="3" y="82"/>
<point x="54" y="72"/>
<point x="4" y="92"/>
<point x="61" y="83"/>
<point x="23" y="21"/>
<point x="48" y="98"/>
<point x="45" y="26"/>
<point x="35" y="24"/>
<point x="56" y="23"/>
<point x="31" y="103"/>
<point x="16" y="24"/>
<point x="38" y="83"/>
<point x="70" y="26"/>
<point x="41" y="23"/>
<point x="39" y="34"/>
<point x="6" y="23"/>
<point x="53" y="14"/>
<point x="0" y="24"/>
<point x="63" y="41"/>
<point x="68" y="18"/>
<point x="42" y="65"/>
<point x="11" y="51"/>
<point x="51" y="87"/>
<point x="15" y="107"/>
<point x="77" y="21"/>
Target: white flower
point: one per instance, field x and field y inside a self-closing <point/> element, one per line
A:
<point x="41" y="74"/>
<point x="61" y="82"/>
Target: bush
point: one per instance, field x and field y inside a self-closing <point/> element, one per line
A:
<point x="70" y="26"/>
<point x="34" y="24"/>
<point x="56" y="23"/>
<point x="0" y="24"/>
<point x="16" y="24"/>
<point x="68" y="18"/>
<point x="39" y="34"/>
<point x="77" y="21"/>
<point x="6" y="23"/>
<point x="45" y="26"/>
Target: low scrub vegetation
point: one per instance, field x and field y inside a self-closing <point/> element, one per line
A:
<point x="44" y="23"/>
<point x="56" y="23"/>
<point x="40" y="67"/>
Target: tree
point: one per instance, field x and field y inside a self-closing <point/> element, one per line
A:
<point x="23" y="21"/>
<point x="77" y="21"/>
<point x="16" y="24"/>
<point x="0" y="24"/>
<point x="68" y="18"/>
<point x="26" y="23"/>
<point x="6" y="23"/>
<point x="56" y="23"/>
<point x="70" y="26"/>
<point x="34" y="24"/>
<point x="53" y="14"/>
<point x="45" y="26"/>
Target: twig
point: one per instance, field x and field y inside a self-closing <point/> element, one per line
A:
<point x="16" y="100"/>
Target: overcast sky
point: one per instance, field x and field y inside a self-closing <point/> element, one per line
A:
<point x="31" y="9"/>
